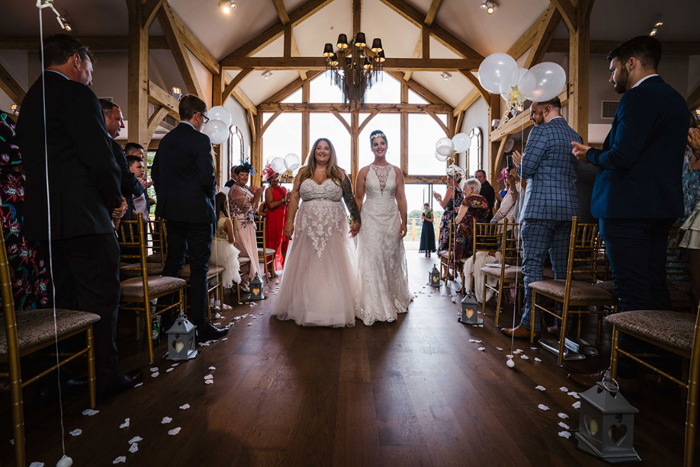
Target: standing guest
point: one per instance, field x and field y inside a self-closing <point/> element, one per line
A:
<point x="28" y="274"/>
<point x="130" y="185"/>
<point x="134" y="149"/>
<point x="474" y="207"/>
<point x="691" y="226"/>
<point x="449" y="202"/>
<point x="487" y="191"/>
<point x="244" y="203"/>
<point x="85" y="195"/>
<point x="509" y="198"/>
<point x="223" y="253"/>
<point x="427" y="234"/>
<point x="183" y="175"/>
<point x="550" y="201"/>
<point x="141" y="203"/>
<point x="276" y="200"/>
<point x="232" y="181"/>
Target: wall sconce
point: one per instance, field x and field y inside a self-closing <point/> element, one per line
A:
<point x="176" y="92"/>
<point x="14" y="108"/>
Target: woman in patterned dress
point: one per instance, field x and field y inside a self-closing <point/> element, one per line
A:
<point x="450" y="202"/>
<point x="318" y="284"/>
<point x="474" y="207"/>
<point x="28" y="272"/>
<point x="243" y="203"/>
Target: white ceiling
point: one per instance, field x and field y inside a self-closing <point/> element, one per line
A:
<point x="220" y="34"/>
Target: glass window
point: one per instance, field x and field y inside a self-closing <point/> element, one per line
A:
<point x="387" y="90"/>
<point x="390" y="124"/>
<point x="326" y="125"/>
<point x="294" y="98"/>
<point x="416" y="195"/>
<point x="282" y="137"/>
<point x="414" y="98"/>
<point x="474" y="152"/>
<point x="423" y="133"/>
<point x="323" y="90"/>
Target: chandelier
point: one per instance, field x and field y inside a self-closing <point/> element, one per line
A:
<point x="354" y="68"/>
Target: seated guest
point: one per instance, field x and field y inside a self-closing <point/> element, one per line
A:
<point x="30" y="279"/>
<point x="508" y="204"/>
<point x="691" y="226"/>
<point x="474" y="207"/>
<point x="243" y="203"/>
<point x="223" y="251"/>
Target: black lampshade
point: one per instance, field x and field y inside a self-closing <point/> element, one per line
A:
<point x="360" y="40"/>
<point x="377" y="45"/>
<point x="381" y="56"/>
<point x="328" y="50"/>
<point x="333" y="60"/>
<point x="342" y="41"/>
<point x="368" y="63"/>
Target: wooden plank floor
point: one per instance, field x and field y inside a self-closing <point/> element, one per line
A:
<point x="411" y="393"/>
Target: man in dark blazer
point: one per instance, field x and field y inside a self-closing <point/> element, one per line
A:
<point x="487" y="191"/>
<point x="84" y="193"/>
<point x="130" y="185"/>
<point x="183" y="175"/>
<point x="638" y="192"/>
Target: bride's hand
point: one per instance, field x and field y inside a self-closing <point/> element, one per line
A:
<point x="355" y="229"/>
<point x="289" y="230"/>
<point x="403" y="230"/>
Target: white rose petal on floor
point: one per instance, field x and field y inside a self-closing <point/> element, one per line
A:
<point x="126" y="423"/>
<point x="76" y="432"/>
<point x="174" y="431"/>
<point x="543" y="407"/>
<point x="118" y="460"/>
<point x="540" y="388"/>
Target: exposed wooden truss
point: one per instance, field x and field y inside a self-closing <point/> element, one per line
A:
<point x="177" y="46"/>
<point x="384" y="108"/>
<point x="10" y="86"/>
<point x="95" y="43"/>
<point x="579" y="70"/>
<point x="319" y="63"/>
<point x="670" y="48"/>
<point x="425" y="34"/>
<point x="288" y="34"/>
<point x="543" y="37"/>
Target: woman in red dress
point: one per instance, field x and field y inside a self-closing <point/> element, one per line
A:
<point x="276" y="199"/>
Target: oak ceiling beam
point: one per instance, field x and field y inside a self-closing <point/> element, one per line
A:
<point x="240" y="96"/>
<point x="603" y="47"/>
<point x="387" y="108"/>
<point x="568" y="12"/>
<point x="150" y="8"/>
<point x="290" y="89"/>
<point x="522" y="120"/>
<point x="284" y="17"/>
<point x="467" y="102"/>
<point x="95" y="43"/>
<point x="193" y="44"/>
<point x="234" y="83"/>
<point x="442" y="35"/>
<point x="525" y="41"/>
<point x="432" y="12"/>
<point x="11" y="87"/>
<point x="276" y="31"/>
<point x="179" y="50"/>
<point x="160" y="98"/>
<point x="419" y="89"/>
<point x="155" y="120"/>
<point x="319" y="63"/>
<point x="544" y="37"/>
<point x="475" y="82"/>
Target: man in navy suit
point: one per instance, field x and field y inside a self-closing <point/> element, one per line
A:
<point x="638" y="193"/>
<point x="550" y="201"/>
<point x="183" y="175"/>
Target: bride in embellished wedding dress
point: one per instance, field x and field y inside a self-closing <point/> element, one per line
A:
<point x="382" y="278"/>
<point x="318" y="284"/>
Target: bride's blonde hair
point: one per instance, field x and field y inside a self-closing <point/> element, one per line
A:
<point x="334" y="172"/>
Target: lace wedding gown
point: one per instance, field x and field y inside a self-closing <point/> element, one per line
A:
<point x="382" y="277"/>
<point x="318" y="284"/>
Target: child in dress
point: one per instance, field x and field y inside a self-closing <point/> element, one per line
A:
<point x="223" y="253"/>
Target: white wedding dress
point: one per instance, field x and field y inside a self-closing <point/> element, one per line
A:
<point x="318" y="284"/>
<point x="382" y="277"/>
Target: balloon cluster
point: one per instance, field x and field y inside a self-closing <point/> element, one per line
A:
<point x="449" y="147"/>
<point x="217" y="129"/>
<point x="499" y="74"/>
<point x="286" y="167"/>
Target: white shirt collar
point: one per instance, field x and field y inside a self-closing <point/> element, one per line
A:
<point x="644" y="79"/>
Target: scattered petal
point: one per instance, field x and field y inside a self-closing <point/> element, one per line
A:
<point x="155" y="375"/>
<point x="472" y="340"/>
<point x="174" y="431"/>
<point x="509" y="356"/>
<point x="90" y="412"/>
<point x="576" y="405"/>
<point x="212" y="368"/>
<point x="563" y="416"/>
<point x="134" y="447"/>
<point x="499" y="349"/>
<point x="543" y="407"/>
<point x="481" y="325"/>
<point x="154" y="370"/>
<point x="12" y="442"/>
<point x="573" y="394"/>
<point x="169" y="370"/>
<point x="138" y="385"/>
<point x="209" y="381"/>
<point x="454" y="301"/>
<point x="540" y="388"/>
<point x="524" y="357"/>
<point x="534" y="348"/>
<point x="209" y="377"/>
<point x="76" y="432"/>
<point x="260" y="313"/>
<point x="564" y="434"/>
<point x="538" y="359"/>
<point x="185" y="407"/>
<point x="36" y="464"/>
<point x="482" y="348"/>
<point x="118" y="460"/>
<point x="564" y="425"/>
<point x="225" y="339"/>
<point x="174" y="365"/>
<point x="125" y="424"/>
<point x="250" y="324"/>
<point x="166" y="420"/>
<point x="564" y="389"/>
<point x="135" y="439"/>
<point x="64" y="462"/>
<point x="517" y="351"/>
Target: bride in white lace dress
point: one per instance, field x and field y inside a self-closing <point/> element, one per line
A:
<point x="318" y="284"/>
<point x="382" y="277"/>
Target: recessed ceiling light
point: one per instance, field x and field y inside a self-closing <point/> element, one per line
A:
<point x="490" y="7"/>
<point x="266" y="74"/>
<point x="227" y="6"/>
<point x="445" y="75"/>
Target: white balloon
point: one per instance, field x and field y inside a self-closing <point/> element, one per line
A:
<point x="445" y="147"/>
<point x="461" y="142"/>
<point x="220" y="113"/>
<point x="440" y="157"/>
<point x="292" y="161"/>
<point x="277" y="165"/>
<point x="521" y="73"/>
<point x="509" y="145"/>
<point x="498" y="73"/>
<point x="216" y="130"/>
<point x="543" y="82"/>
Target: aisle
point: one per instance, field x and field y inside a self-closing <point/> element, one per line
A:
<point x="413" y="392"/>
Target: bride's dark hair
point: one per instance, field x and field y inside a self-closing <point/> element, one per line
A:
<point x="380" y="134"/>
<point x="334" y="172"/>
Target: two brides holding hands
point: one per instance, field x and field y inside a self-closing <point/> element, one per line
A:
<point x="326" y="282"/>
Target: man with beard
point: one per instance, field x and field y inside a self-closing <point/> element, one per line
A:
<point x="638" y="193"/>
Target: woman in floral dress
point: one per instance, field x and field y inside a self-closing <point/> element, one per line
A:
<point x="243" y="203"/>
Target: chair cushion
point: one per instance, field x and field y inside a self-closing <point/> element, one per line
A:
<point x="213" y="271"/>
<point x="157" y="285"/>
<point x="243" y="260"/>
<point x="548" y="273"/>
<point x="509" y="273"/>
<point x="155" y="258"/>
<point x="679" y="291"/>
<point x="266" y="251"/>
<point x="580" y="291"/>
<point x="35" y="327"/>
<point x="608" y="286"/>
<point x="667" y="327"/>
<point x="127" y="271"/>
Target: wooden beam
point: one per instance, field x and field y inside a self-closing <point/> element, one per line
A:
<point x="579" y="69"/>
<point x="458" y="122"/>
<point x="475" y="82"/>
<point x="284" y="18"/>
<point x="403" y="161"/>
<point x="194" y="44"/>
<point x="544" y="37"/>
<point x="525" y="41"/>
<point x="440" y="122"/>
<point x="366" y="121"/>
<point x="155" y="120"/>
<point x="281" y="11"/>
<point x="432" y="12"/>
<point x="490" y="145"/>
<point x="290" y="89"/>
<point x="386" y="108"/>
<point x="235" y="82"/>
<point x="244" y="101"/>
<point x="217" y="89"/>
<point x="499" y="156"/>
<point x="269" y="121"/>
<point x="179" y="50"/>
<point x="670" y="48"/>
<point x="693" y="99"/>
<point x="319" y="63"/>
<point x="342" y="120"/>
<point x="11" y="87"/>
<point x="160" y="98"/>
<point x="95" y="43"/>
<point x="416" y="54"/>
<point x="305" y="118"/>
<point x="467" y="102"/>
<point x="150" y="8"/>
<point x="287" y="49"/>
<point x="354" y="148"/>
<point x="356" y="17"/>
<point x="419" y="89"/>
<point x="137" y="64"/>
<point x="568" y="11"/>
<point x="425" y="42"/>
<point x="424" y="179"/>
<point x="275" y="31"/>
<point x="441" y="35"/>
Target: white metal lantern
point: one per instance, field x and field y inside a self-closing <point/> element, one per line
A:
<point x="434" y="278"/>
<point x="256" y="289"/>
<point x="469" y="310"/>
<point x="181" y="340"/>
<point x="606" y="429"/>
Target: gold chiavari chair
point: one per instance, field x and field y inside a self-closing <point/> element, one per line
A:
<point x="243" y="261"/>
<point x="445" y="258"/>
<point x="30" y="331"/>
<point x="576" y="296"/>
<point x="137" y="292"/>
<point x="486" y="238"/>
<point x="265" y="255"/>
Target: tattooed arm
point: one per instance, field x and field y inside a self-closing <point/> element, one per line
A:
<point x="349" y="199"/>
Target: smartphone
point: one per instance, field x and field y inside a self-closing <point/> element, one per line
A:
<point x="509" y="161"/>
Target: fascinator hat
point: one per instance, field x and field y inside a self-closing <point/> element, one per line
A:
<point x="244" y="167"/>
<point x="268" y="172"/>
